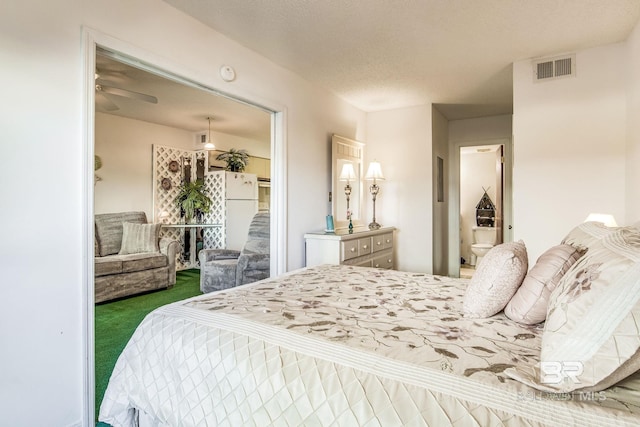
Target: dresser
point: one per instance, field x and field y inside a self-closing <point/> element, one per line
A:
<point x="363" y="247"/>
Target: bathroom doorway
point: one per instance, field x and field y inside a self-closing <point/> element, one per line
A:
<point x="482" y="184"/>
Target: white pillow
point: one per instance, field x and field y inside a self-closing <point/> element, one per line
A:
<point x="139" y="238"/>
<point x="586" y="234"/>
<point x="496" y="280"/>
<point x="591" y="340"/>
<point x="529" y="304"/>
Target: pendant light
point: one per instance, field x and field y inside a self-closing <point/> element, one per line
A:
<point x="209" y="145"/>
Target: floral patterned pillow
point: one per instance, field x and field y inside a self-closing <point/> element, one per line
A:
<point x="496" y="279"/>
<point x="590" y="339"/>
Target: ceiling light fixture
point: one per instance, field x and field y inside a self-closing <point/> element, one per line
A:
<point x="209" y="145"/>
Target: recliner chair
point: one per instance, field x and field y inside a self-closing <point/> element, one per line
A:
<point x="225" y="268"/>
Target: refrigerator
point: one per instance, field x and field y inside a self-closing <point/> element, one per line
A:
<point x="241" y="204"/>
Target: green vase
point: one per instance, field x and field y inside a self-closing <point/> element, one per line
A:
<point x="350" y="226"/>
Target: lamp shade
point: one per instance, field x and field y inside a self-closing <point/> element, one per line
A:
<point x="606" y="219"/>
<point x="374" y="171"/>
<point x="347" y="173"/>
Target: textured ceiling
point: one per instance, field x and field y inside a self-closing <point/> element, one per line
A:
<point x="178" y="105"/>
<point x="385" y="54"/>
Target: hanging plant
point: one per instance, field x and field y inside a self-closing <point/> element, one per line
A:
<point x="237" y="160"/>
<point x="192" y="200"/>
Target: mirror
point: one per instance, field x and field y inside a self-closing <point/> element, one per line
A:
<point x="346" y="180"/>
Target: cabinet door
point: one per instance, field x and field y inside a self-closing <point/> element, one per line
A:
<point x="241" y="186"/>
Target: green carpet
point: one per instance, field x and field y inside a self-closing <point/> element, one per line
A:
<point x="116" y="321"/>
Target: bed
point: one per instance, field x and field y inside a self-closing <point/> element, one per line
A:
<point x="344" y="346"/>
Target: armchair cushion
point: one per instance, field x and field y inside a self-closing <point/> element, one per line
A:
<point x="252" y="268"/>
<point x="221" y="274"/>
<point x="207" y="255"/>
<point x="118" y="264"/>
<point x="223" y="268"/>
<point x="256" y="247"/>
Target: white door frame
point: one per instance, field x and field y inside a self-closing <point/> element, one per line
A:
<point x="91" y="39"/>
<point x="454" y="196"/>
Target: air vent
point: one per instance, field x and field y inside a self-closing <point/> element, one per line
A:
<point x="202" y="138"/>
<point x="554" y="68"/>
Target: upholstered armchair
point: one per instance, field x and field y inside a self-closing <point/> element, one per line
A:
<point x="225" y="268"/>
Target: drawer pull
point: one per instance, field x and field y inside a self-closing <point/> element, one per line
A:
<point x="388" y="241"/>
<point x="377" y="265"/>
<point x="378" y="243"/>
<point x="352" y="249"/>
<point x="389" y="261"/>
<point x="364" y="246"/>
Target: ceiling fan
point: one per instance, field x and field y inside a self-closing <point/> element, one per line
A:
<point x="104" y="88"/>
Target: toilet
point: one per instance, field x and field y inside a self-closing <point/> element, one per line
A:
<point x="484" y="238"/>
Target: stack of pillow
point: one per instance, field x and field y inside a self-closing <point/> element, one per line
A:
<point x="587" y="289"/>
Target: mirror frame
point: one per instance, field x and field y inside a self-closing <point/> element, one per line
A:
<point x="345" y="149"/>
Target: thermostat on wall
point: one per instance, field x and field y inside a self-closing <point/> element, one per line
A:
<point x="227" y="73"/>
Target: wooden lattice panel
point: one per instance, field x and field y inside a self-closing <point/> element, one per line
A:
<point x="163" y="199"/>
<point x="165" y="209"/>
<point x="214" y="184"/>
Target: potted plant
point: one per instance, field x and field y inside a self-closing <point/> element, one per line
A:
<point x="192" y="200"/>
<point x="236" y="159"/>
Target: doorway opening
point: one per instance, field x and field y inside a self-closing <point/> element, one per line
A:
<point x="131" y="56"/>
<point x="454" y="233"/>
<point x="481" y="203"/>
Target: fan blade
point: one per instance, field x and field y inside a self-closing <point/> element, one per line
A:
<point x="127" y="93"/>
<point x="112" y="75"/>
<point x="104" y="103"/>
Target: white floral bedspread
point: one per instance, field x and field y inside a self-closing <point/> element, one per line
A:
<point x="342" y="345"/>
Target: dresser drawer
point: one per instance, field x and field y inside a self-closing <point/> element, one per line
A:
<point x="387" y="240"/>
<point x="385" y="261"/>
<point x="349" y="249"/>
<point x="378" y="243"/>
<point x="367" y="263"/>
<point x="364" y="246"/>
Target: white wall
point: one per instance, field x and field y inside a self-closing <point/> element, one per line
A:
<point x="632" y="178"/>
<point x="569" y="147"/>
<point x="125" y="147"/>
<point x="440" y="225"/>
<point x="480" y="128"/>
<point x="401" y="141"/>
<point x="224" y="141"/>
<point x="42" y="125"/>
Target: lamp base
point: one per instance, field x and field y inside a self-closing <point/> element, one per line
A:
<point x="374" y="226"/>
